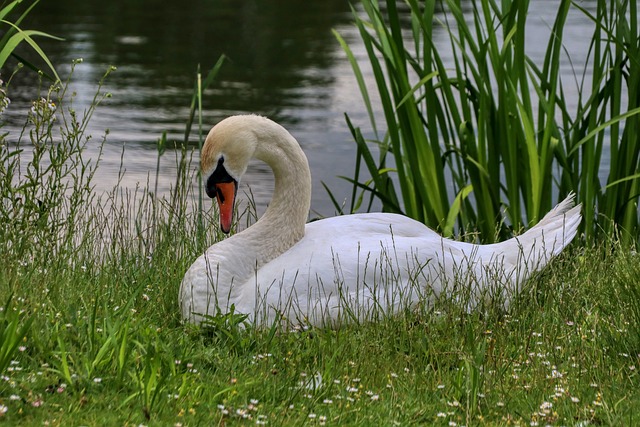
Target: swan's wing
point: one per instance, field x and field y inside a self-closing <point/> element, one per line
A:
<point x="355" y="261"/>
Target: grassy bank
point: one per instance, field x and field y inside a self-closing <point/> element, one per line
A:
<point x="105" y="346"/>
<point x="90" y="332"/>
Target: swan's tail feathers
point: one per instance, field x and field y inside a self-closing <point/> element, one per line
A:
<point x="550" y="236"/>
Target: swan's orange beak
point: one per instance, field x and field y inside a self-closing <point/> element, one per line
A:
<point x="225" y="195"/>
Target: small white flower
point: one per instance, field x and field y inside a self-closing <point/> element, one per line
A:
<point x="545" y="406"/>
<point x="556" y="374"/>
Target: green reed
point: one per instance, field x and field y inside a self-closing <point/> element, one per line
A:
<point x="196" y="107"/>
<point x="613" y="100"/>
<point x="13" y="36"/>
<point x="488" y="141"/>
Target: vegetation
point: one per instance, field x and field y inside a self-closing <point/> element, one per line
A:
<point x="495" y="128"/>
<point x="13" y="35"/>
<point x="90" y="331"/>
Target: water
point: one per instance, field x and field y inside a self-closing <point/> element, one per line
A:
<point x="283" y="62"/>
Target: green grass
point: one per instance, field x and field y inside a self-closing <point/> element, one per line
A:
<point x="106" y="346"/>
<point x="91" y="331"/>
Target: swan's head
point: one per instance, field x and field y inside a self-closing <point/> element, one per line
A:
<point x="225" y="157"/>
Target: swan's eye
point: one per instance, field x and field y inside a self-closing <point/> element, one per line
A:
<point x="220" y="164"/>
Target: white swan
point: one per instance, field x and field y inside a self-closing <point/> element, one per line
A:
<point x="352" y="267"/>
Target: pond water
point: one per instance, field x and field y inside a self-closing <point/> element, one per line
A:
<point x="283" y="62"/>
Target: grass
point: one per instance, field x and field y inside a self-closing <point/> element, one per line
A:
<point x="91" y="331"/>
<point x="106" y="346"/>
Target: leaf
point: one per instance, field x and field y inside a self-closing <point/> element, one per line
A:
<point x="602" y="127"/>
<point x="21" y="36"/>
<point x="454" y="210"/>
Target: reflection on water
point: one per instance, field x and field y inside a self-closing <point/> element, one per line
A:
<point x="283" y="62"/>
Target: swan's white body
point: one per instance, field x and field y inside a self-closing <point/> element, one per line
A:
<point x="353" y="267"/>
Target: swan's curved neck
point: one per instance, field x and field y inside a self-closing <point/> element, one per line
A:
<point x="283" y="223"/>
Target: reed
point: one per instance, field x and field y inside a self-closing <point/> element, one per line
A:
<point x="488" y="142"/>
<point x="13" y="36"/>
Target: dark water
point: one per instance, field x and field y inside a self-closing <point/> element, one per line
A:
<point x="283" y="62"/>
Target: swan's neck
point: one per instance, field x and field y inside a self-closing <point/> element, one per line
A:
<point x="283" y="223"/>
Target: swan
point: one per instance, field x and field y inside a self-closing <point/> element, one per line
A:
<point x="341" y="269"/>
